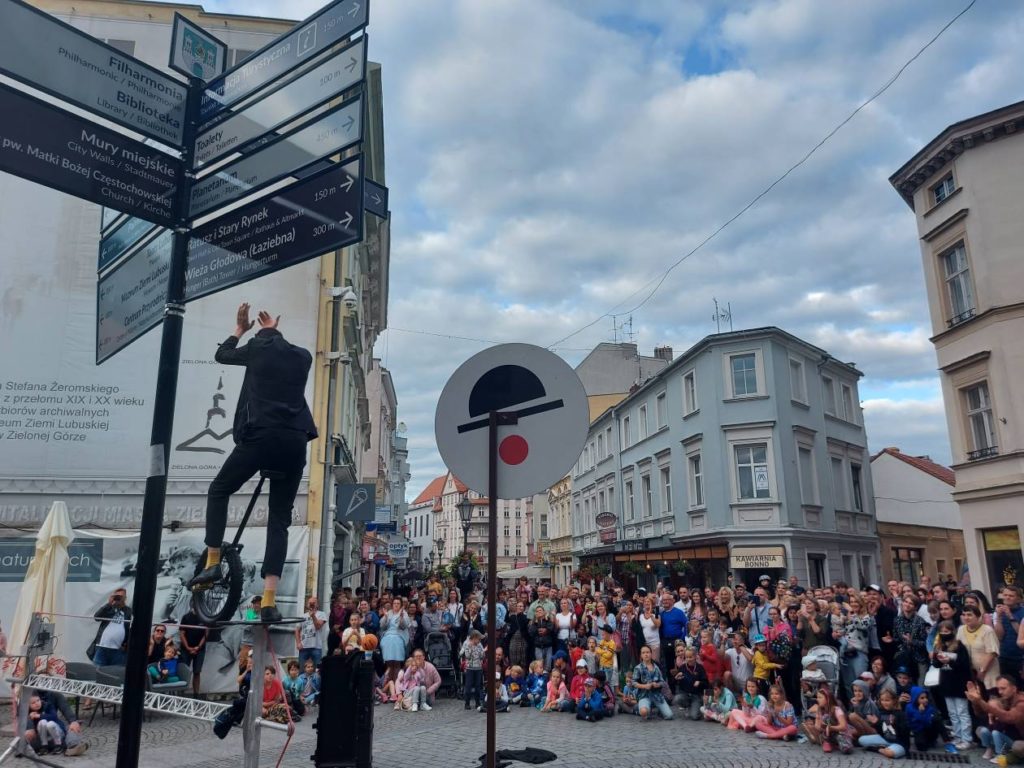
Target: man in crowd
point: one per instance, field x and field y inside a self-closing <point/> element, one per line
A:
<point x="192" y="636"/>
<point x="1003" y="716"/>
<point x="74" y="743"/>
<point x="311" y="634"/>
<point x="684" y="603"/>
<point x="1009" y="614"/>
<point x="109" y="647"/>
<point x="673" y="627"/>
<point x="755" y="615"/>
<point x="543" y="601"/>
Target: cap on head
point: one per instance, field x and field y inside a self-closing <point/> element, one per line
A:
<point x="590" y="682"/>
<point x="581" y="663"/>
<point x="764" y="577"/>
<point x="758" y="638"/>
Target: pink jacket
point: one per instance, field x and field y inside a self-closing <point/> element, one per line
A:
<point x="431" y="678"/>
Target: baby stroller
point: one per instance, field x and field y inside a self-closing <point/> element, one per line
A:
<point x="438" y="648"/>
<point x="826" y="659"/>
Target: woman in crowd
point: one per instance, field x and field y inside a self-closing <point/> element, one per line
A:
<point x="856" y="630"/>
<point x="629" y="653"/>
<point x="982" y="644"/>
<point x="542" y="637"/>
<point x="471" y="620"/>
<point x="649" y="681"/>
<point x="518" y="634"/>
<point x="953" y="663"/>
<point x="650" y="630"/>
<point x="726" y="600"/>
<point x="565" y="625"/>
<point x="813" y="628"/>
<point x="394" y="640"/>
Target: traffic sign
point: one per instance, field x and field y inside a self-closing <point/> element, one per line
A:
<point x="51" y="146"/>
<point x="195" y="52"/>
<point x="130" y="298"/>
<point x="47" y="54"/>
<point x="354" y="502"/>
<point x="548" y="400"/>
<point x="318" y="214"/>
<point x="334" y="131"/>
<point x="375" y="198"/>
<point x="122" y="239"/>
<point x="328" y="26"/>
<point x="231" y="133"/>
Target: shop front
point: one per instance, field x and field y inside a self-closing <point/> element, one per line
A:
<point x="1003" y="558"/>
<point x="748" y="564"/>
<point x="637" y="564"/>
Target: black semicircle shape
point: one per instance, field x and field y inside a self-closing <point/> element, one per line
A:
<point x="502" y="387"/>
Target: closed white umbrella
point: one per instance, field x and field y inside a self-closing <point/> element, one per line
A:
<point x="43" y="588"/>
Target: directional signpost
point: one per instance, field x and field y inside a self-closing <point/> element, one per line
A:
<point x="336" y="130"/>
<point x="319" y="214"/>
<point x="117" y="242"/>
<point x="51" y="146"/>
<point x="54" y="57"/>
<point x="331" y="25"/>
<point x="375" y="198"/>
<point x="221" y="137"/>
<point x="131" y="297"/>
<point x="153" y="260"/>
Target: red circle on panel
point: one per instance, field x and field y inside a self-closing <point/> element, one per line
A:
<point x="513" y="449"/>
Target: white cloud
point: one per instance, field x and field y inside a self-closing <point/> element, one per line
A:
<point x="548" y="159"/>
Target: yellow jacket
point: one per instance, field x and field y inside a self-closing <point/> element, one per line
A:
<point x="606" y="654"/>
<point x="762" y="666"/>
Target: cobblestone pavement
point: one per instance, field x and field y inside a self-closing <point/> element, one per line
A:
<point x="449" y="737"/>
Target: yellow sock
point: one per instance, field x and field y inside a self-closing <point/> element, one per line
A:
<point x="212" y="557"/>
<point x="269" y="598"/>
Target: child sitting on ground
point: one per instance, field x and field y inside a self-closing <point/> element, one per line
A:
<point x="863" y="714"/>
<point x="310" y="680"/>
<point x="166" y="670"/>
<point x="47" y="724"/>
<point x="893" y="736"/>
<point x="536" y="685"/>
<point x="590" y="705"/>
<point x="718" y="703"/>
<point x="515" y="683"/>
<point x="293" y="688"/>
<point x="387" y="685"/>
<point x="630" y="696"/>
<point x="557" y="698"/>
<point x="924" y="720"/>
<point x="607" y="691"/>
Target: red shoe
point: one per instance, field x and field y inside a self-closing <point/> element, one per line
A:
<point x="826" y="746"/>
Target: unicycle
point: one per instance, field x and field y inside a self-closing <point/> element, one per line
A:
<point x="218" y="602"/>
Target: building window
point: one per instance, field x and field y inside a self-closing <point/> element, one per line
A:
<point x="806" y="468"/>
<point x="506" y="532"/>
<point x="797" y="381"/>
<point x="838" y="483"/>
<point x="661" y="410"/>
<point x="641" y="422"/>
<point x="666" y="490"/>
<point x="608" y="440"/>
<point x="690" y="392"/>
<point x="979" y="419"/>
<point x="625" y="431"/>
<point x="519" y="532"/>
<point x="908" y="564"/>
<point x="611" y="499"/>
<point x="238" y="55"/>
<point x="600" y="447"/>
<point x="817" y="568"/>
<point x="828" y="393"/>
<point x="943" y="189"/>
<point x="696" y="481"/>
<point x="601" y="503"/>
<point x="855" y="483"/>
<point x="124" y="46"/>
<point x="744" y="374"/>
<point x="958" y="284"/>
<point x="646" y="497"/>
<point x="867" y="570"/>
<point x="507" y="552"/>
<point x="848" y="412"/>
<point x="630" y="509"/>
<point x="752" y="471"/>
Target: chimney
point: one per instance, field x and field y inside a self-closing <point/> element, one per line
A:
<point x="663" y="353"/>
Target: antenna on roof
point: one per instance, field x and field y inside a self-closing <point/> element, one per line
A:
<point x="623" y="329"/>
<point x="722" y="313"/>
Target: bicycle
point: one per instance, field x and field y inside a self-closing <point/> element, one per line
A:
<point x="216" y="603"/>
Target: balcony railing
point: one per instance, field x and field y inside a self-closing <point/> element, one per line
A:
<point x="983" y="453"/>
<point x="963" y="317"/>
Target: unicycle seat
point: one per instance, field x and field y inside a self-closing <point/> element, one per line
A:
<point x="272" y="474"/>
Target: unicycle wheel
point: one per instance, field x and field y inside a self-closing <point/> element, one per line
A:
<point x="219" y="602"/>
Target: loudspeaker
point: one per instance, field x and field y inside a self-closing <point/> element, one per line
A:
<point x="346" y="712"/>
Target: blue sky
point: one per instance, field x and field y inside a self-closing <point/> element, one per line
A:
<point x="546" y="159"/>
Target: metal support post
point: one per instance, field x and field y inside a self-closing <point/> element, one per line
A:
<point x="254" y="702"/>
<point x="129" y="738"/>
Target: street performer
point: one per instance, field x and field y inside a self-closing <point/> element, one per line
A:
<point x="272" y="425"/>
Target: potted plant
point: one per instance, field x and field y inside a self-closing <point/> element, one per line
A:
<point x="682" y="567"/>
<point x="632" y="568"/>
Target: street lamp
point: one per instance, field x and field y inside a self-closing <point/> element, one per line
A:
<point x="440" y="551"/>
<point x="466" y="513"/>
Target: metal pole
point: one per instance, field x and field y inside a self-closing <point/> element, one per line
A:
<point x="129" y="738"/>
<point x="492" y="577"/>
<point x="490" y="683"/>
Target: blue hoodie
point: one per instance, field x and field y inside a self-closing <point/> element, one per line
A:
<point x="920" y="720"/>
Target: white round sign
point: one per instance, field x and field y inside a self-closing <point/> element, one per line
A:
<point x="553" y="418"/>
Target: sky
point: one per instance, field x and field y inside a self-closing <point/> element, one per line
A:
<point x="547" y="160"/>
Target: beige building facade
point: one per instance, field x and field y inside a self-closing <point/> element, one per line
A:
<point x="964" y="189"/>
